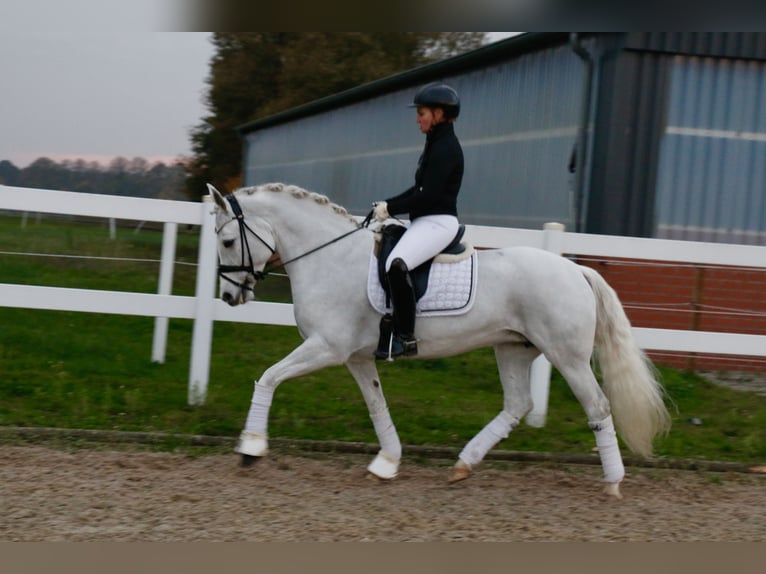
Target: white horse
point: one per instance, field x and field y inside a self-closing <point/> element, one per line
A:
<point x="528" y="302"/>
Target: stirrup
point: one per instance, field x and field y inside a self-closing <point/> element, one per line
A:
<point x="387" y="350"/>
<point x="409" y="346"/>
<point x="396" y="347"/>
<point x="385" y="341"/>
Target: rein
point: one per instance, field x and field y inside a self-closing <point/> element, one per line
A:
<point x="250" y="269"/>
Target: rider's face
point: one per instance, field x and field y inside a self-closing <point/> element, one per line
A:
<point x="428" y="118"/>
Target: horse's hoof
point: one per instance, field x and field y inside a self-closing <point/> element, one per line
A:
<point x="249" y="460"/>
<point x="252" y="444"/>
<point x="461" y="471"/>
<point x="613" y="489"/>
<point x="384" y="467"/>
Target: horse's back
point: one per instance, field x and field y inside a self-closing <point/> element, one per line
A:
<point x="522" y="264"/>
<point x="534" y="283"/>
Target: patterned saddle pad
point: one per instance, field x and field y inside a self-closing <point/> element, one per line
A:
<point x="451" y="288"/>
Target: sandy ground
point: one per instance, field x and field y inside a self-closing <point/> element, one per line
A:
<point x="51" y="494"/>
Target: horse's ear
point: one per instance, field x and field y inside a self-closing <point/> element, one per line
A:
<point x="217" y="197"/>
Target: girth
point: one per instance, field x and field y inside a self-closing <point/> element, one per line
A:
<point x="390" y="236"/>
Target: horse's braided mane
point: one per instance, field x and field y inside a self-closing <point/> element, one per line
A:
<point x="300" y="193"/>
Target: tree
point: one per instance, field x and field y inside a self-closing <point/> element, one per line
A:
<point x="9" y="173"/>
<point x="257" y="74"/>
<point x="243" y="75"/>
<point x="44" y="173"/>
<point x="135" y="177"/>
<point x="138" y="165"/>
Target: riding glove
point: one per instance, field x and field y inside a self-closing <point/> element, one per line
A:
<point x="380" y="210"/>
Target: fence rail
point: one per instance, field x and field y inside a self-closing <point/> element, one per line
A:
<point x="204" y="308"/>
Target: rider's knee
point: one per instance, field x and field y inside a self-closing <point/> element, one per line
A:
<point x="399" y="266"/>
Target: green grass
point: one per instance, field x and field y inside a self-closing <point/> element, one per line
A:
<point x="93" y="371"/>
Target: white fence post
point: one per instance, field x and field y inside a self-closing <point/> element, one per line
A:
<point x="160" y="340"/>
<point x="540" y="371"/>
<point x="202" y="335"/>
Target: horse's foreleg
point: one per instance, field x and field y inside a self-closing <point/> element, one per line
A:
<point x="312" y="355"/>
<point x="513" y="362"/>
<point x="386" y="463"/>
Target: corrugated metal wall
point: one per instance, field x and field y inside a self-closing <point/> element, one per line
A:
<point x="630" y="114"/>
<point x="712" y="170"/>
<point x="518" y="124"/>
<point x="743" y="45"/>
<point x="678" y="141"/>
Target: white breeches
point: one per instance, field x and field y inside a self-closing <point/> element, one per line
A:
<point x="424" y="239"/>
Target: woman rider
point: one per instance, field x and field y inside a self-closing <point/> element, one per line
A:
<point x="432" y="206"/>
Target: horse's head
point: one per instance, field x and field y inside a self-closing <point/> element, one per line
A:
<point x="245" y="245"/>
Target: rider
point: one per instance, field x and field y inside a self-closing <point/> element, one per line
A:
<point x="432" y="207"/>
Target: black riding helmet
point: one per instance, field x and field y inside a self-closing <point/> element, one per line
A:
<point x="438" y="95"/>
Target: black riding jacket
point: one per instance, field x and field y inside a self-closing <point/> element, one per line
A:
<point x="437" y="179"/>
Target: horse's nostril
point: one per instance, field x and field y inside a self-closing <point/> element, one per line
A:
<point x="226" y="297"/>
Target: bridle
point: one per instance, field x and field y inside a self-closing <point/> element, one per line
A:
<point x="244" y="228"/>
<point x="246" y="265"/>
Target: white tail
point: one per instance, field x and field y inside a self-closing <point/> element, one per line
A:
<point x="629" y="378"/>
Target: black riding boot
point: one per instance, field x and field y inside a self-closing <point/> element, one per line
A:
<point x="402" y="340"/>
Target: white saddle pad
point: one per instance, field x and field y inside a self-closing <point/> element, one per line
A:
<point x="451" y="288"/>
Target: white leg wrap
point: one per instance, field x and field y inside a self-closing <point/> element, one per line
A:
<point x="258" y="417"/>
<point x="386" y="432"/>
<point x="608" y="449"/>
<point x="498" y="429"/>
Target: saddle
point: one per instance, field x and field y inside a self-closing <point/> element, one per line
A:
<point x="390" y="236"/>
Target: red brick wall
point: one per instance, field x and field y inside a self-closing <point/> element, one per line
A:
<point x="687" y="296"/>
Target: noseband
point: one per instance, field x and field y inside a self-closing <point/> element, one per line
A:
<point x="244" y="228"/>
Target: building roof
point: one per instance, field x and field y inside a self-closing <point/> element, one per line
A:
<point x="502" y="50"/>
<point x="744" y="45"/>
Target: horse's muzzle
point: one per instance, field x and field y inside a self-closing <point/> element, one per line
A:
<point x="242" y="294"/>
<point x="234" y="300"/>
<point x="230" y="298"/>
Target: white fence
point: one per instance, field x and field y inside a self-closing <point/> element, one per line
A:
<point x="204" y="307"/>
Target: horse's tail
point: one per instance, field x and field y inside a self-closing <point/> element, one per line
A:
<point x="629" y="378"/>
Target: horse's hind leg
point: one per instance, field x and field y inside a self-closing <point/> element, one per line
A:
<point x="583" y="383"/>
<point x="386" y="463"/>
<point x="513" y="363"/>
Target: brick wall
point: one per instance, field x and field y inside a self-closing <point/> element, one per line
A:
<point x="695" y="297"/>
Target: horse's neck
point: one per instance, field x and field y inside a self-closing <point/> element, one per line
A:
<point x="301" y="225"/>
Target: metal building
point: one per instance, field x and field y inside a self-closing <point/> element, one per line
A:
<point x="669" y="131"/>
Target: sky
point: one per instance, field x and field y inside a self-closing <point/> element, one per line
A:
<point x="70" y="89"/>
<point x="97" y="95"/>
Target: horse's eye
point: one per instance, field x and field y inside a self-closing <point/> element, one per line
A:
<point x="228" y="242"/>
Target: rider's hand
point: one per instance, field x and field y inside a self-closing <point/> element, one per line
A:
<point x="380" y="210"/>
